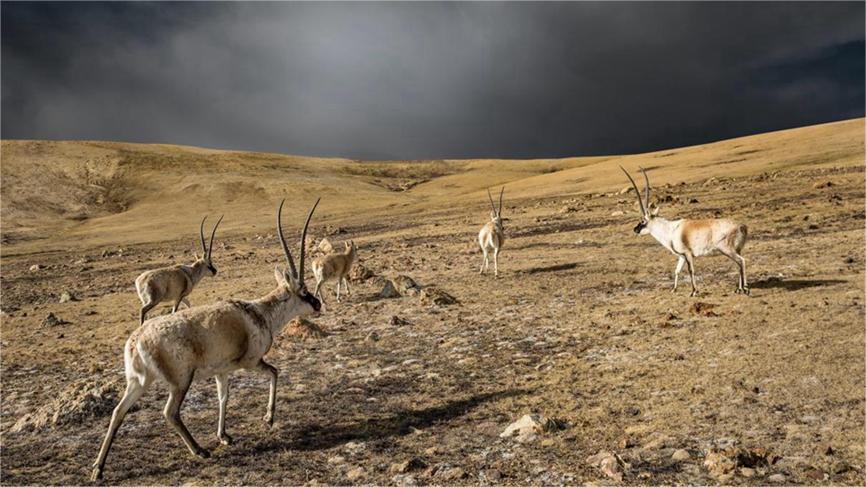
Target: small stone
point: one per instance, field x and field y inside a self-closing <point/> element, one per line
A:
<point x="432" y="451"/>
<point x="747" y="472"/>
<point x="776" y="478"/>
<point x="814" y="474"/>
<point x="51" y="321"/>
<point x="397" y="321"/>
<point x="617" y="213"/>
<point x="336" y="459"/>
<point x="66" y="296"/>
<point x="625" y="442"/>
<point x="454" y="473"/>
<point x="36" y="267"/>
<point x="389" y="291"/>
<point x="432" y="295"/>
<point x="407" y="466"/>
<point x="355" y="474"/>
<point x="372" y="337"/>
<point x="681" y="455"/>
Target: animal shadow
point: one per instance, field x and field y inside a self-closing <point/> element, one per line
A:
<point x="400" y="423"/>
<point x="551" y="268"/>
<point x="794" y="284"/>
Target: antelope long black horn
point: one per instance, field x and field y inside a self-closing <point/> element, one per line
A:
<point x="500" y="200"/>
<point x="636" y="191"/>
<point x="304" y="237"/>
<point x="646" y="179"/>
<point x="286" y="250"/>
<point x="201" y="236"/>
<point x="212" y="233"/>
<point x="492" y="206"/>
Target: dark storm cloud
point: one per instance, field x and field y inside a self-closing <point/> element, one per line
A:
<point x="428" y="80"/>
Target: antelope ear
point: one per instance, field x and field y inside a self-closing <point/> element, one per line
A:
<point x="195" y="255"/>
<point x="654" y="210"/>
<point x="280" y="276"/>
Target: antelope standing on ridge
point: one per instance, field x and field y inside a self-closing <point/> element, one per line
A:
<point x="335" y="266"/>
<point x="688" y="239"/>
<point x="212" y="340"/>
<point x="492" y="235"/>
<point x="174" y="283"/>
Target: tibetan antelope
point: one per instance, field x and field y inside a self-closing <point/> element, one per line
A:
<point x="212" y="340"/>
<point x="174" y="283"/>
<point x="688" y="239"/>
<point x="335" y="266"/>
<point x="492" y="235"/>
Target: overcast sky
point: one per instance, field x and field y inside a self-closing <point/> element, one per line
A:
<point x="428" y="80"/>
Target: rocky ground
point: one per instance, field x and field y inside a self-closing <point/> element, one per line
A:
<point x="623" y="381"/>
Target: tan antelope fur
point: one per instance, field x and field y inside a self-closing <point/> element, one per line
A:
<point x="492" y="236"/>
<point x="174" y="283"/>
<point x="212" y="340"/>
<point x="335" y="266"/>
<point x="688" y="239"/>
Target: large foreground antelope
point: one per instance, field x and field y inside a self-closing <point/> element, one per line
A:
<point x="335" y="266"/>
<point x="688" y="239"/>
<point x="492" y="235"/>
<point x="211" y="340"/>
<point x="174" y="283"/>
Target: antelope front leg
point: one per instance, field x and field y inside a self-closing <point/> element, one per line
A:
<point x="222" y="383"/>
<point x="271" y="371"/>
<point x="680" y="263"/>
<point x="496" y="262"/>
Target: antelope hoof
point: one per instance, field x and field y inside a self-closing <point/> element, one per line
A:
<point x="694" y="293"/>
<point x="225" y="439"/>
<point x="747" y="291"/>
<point x="269" y="419"/>
<point x="96" y="475"/>
<point x="202" y="453"/>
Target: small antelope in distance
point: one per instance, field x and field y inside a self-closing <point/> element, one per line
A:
<point x="212" y="340"/>
<point x="688" y="239"/>
<point x="174" y="283"/>
<point x="492" y="236"/>
<point x="335" y="266"/>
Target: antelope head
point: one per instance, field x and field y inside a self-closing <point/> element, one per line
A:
<point x="289" y="279"/>
<point x="496" y="214"/>
<point x="207" y="250"/>
<point x="648" y="212"/>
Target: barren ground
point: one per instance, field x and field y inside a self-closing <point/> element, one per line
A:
<point x="581" y="326"/>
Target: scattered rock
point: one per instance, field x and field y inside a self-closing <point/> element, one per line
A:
<point x="389" y="291"/>
<point x="359" y="273"/>
<point x="452" y="474"/>
<point x="747" y="472"/>
<point x="725" y="461"/>
<point x="372" y="337"/>
<point x="336" y="460"/>
<point x="776" y="478"/>
<point x="823" y="184"/>
<point x="67" y="296"/>
<point x="304" y="329"/>
<point x="567" y="209"/>
<point x="618" y="213"/>
<point x="405" y="286"/>
<point x="407" y="466"/>
<point x="681" y="455"/>
<point x="80" y="401"/>
<point x="627" y="189"/>
<point x="526" y="428"/>
<point x="397" y="321"/>
<point x="36" y="267"/>
<point x="432" y="295"/>
<point x="625" y="442"/>
<point x="657" y="440"/>
<point x="355" y="474"/>
<point x="814" y="474"/>
<point x="693" y="200"/>
<point x="610" y="464"/>
<point x="51" y="321"/>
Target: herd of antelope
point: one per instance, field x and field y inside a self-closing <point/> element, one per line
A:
<point x="217" y="339"/>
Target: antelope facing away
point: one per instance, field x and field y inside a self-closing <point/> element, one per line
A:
<point x="174" y="283"/>
<point x="492" y="235"/>
<point x="335" y="266"/>
<point x="688" y="239"/>
<point x="212" y="340"/>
